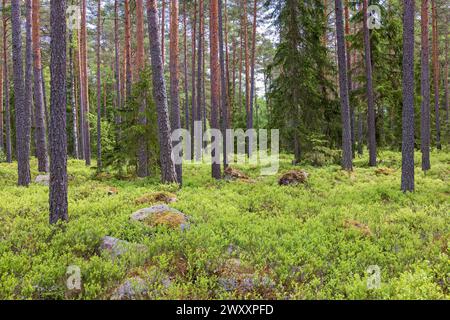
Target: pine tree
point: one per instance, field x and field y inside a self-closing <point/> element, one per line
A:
<point x="408" y="98"/>
<point x="425" y="89"/>
<point x="40" y="131"/>
<point x="168" y="174"/>
<point x="174" y="82"/>
<point x="23" y="117"/>
<point x="347" y="153"/>
<point x="6" y="86"/>
<point x="99" y="88"/>
<point x="58" y="136"/>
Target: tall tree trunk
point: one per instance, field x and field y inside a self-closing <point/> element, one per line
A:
<point x="2" y="143"/>
<point x="349" y="73"/>
<point x="436" y="73"/>
<point x="85" y="84"/>
<point x="198" y="111"/>
<point x="241" y="51"/>
<point x="58" y="136"/>
<point x="23" y="118"/>
<point x="446" y="71"/>
<point x="193" y="73"/>
<point x="163" y="32"/>
<point x="140" y="56"/>
<point x="117" y="63"/>
<point x="425" y="89"/>
<point x="369" y="86"/>
<point x="160" y="95"/>
<point x="73" y="100"/>
<point x="99" y="88"/>
<point x="185" y="69"/>
<point x="215" y="87"/>
<point x="252" y="88"/>
<point x="28" y="80"/>
<point x="81" y="89"/>
<point x="227" y="63"/>
<point x="247" y="63"/>
<point x="347" y="153"/>
<point x="129" y="73"/>
<point x="40" y="131"/>
<point x="6" y="87"/>
<point x="224" y="88"/>
<point x="408" y="98"/>
<point x="174" y="82"/>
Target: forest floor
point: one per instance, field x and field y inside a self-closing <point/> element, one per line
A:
<point x="325" y="239"/>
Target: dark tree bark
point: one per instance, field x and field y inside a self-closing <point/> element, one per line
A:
<point x="73" y="100"/>
<point x="199" y="106"/>
<point x="6" y="87"/>
<point x="349" y="73"/>
<point x="224" y="88"/>
<point x="446" y="71"/>
<point x="163" y="32"/>
<point x="369" y="85"/>
<point x="174" y="82"/>
<point x="2" y="143"/>
<point x="117" y="64"/>
<point x="408" y="98"/>
<point x="23" y="117"/>
<point x="215" y="78"/>
<point x="185" y="69"/>
<point x="425" y="89"/>
<point x="81" y="96"/>
<point x="99" y="89"/>
<point x="347" y="154"/>
<point x="40" y="130"/>
<point x="436" y="73"/>
<point x="58" y="137"/>
<point x="252" y="79"/>
<point x="85" y="84"/>
<point x="168" y="174"/>
<point x="247" y="62"/>
<point x="28" y="80"/>
<point x="129" y="74"/>
<point x="193" y="73"/>
<point x="140" y="53"/>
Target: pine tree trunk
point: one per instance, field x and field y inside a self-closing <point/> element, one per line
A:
<point x="73" y="100"/>
<point x="129" y="76"/>
<point x="252" y="88"/>
<point x="247" y="64"/>
<point x="185" y="67"/>
<point x="224" y="88"/>
<point x="23" y="117"/>
<point x="408" y="98"/>
<point x="215" y="87"/>
<point x="58" y="136"/>
<point x="349" y="74"/>
<point x="163" y="32"/>
<point x="40" y="131"/>
<point x="117" y="63"/>
<point x="160" y="95"/>
<point x="198" y="111"/>
<point x="369" y="85"/>
<point x="142" y="167"/>
<point x="446" y="71"/>
<point x="425" y="89"/>
<point x="436" y="73"/>
<point x="347" y="153"/>
<point x="193" y="73"/>
<point x="81" y="90"/>
<point x="99" y="89"/>
<point x="174" y="81"/>
<point x="85" y="84"/>
<point x="6" y="87"/>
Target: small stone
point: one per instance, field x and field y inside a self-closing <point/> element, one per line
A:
<point x="293" y="177"/>
<point x="132" y="289"/>
<point x="162" y="215"/>
<point x="117" y="247"/>
<point x="43" y="180"/>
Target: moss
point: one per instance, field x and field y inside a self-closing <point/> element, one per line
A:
<point x="157" y="197"/>
<point x="167" y="218"/>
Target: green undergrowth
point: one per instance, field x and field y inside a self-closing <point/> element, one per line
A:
<point x="311" y="241"/>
